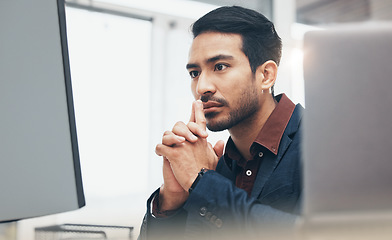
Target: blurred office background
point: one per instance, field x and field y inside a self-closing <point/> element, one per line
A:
<point x="130" y="84"/>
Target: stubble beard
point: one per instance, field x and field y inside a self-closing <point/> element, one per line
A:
<point x="247" y="106"/>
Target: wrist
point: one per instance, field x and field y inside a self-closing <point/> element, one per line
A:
<point x="171" y="200"/>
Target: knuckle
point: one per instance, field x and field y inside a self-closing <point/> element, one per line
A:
<point x="179" y="128"/>
<point x="165" y="139"/>
<point x="179" y="124"/>
<point x="167" y="133"/>
<point x="157" y="148"/>
<point x="191" y="125"/>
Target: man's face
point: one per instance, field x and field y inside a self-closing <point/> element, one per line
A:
<point x="223" y="80"/>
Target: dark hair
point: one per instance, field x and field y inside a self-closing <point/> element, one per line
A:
<point x="260" y="42"/>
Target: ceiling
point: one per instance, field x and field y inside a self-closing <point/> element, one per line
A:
<point x="322" y="12"/>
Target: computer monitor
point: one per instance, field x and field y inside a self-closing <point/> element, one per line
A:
<point x="39" y="160"/>
<point x="347" y="128"/>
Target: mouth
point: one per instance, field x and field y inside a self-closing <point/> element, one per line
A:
<point x="211" y="107"/>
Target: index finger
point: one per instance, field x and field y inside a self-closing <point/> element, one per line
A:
<point x="192" y="119"/>
<point x="200" y="118"/>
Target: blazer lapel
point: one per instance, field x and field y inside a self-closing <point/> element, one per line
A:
<point x="270" y="161"/>
<point x="268" y="165"/>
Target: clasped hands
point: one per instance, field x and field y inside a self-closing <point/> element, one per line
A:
<point x="185" y="151"/>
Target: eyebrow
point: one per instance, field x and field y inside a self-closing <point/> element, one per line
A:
<point x="210" y="60"/>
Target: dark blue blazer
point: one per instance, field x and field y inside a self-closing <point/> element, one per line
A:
<point x="216" y="207"/>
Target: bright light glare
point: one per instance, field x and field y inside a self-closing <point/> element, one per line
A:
<point x="298" y="32"/>
<point x="297" y="75"/>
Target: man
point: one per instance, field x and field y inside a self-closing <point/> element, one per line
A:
<point x="256" y="183"/>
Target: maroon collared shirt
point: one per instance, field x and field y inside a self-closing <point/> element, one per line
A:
<point x="268" y="139"/>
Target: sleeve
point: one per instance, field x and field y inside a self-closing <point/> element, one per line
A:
<point x="220" y="207"/>
<point x="162" y="228"/>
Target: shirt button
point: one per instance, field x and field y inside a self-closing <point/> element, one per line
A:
<point x="248" y="173"/>
<point x="213" y="218"/>
<point x="218" y="223"/>
<point x="261" y="154"/>
<point x="203" y="211"/>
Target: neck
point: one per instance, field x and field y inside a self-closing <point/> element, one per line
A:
<point x="244" y="133"/>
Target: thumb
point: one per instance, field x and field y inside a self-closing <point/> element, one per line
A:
<point x="219" y="147"/>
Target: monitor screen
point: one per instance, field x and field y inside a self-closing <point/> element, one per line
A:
<point x="347" y="121"/>
<point x="39" y="159"/>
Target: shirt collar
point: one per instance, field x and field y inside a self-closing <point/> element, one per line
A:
<point x="272" y="131"/>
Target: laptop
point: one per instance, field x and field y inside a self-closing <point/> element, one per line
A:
<point x="348" y="132"/>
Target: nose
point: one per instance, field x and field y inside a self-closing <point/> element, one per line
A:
<point x="205" y="85"/>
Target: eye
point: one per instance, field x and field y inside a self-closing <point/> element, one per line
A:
<point x="194" y="74"/>
<point x="220" y="67"/>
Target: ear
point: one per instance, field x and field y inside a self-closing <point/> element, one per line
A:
<point x="266" y="74"/>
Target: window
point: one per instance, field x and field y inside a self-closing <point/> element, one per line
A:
<point x="110" y="69"/>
